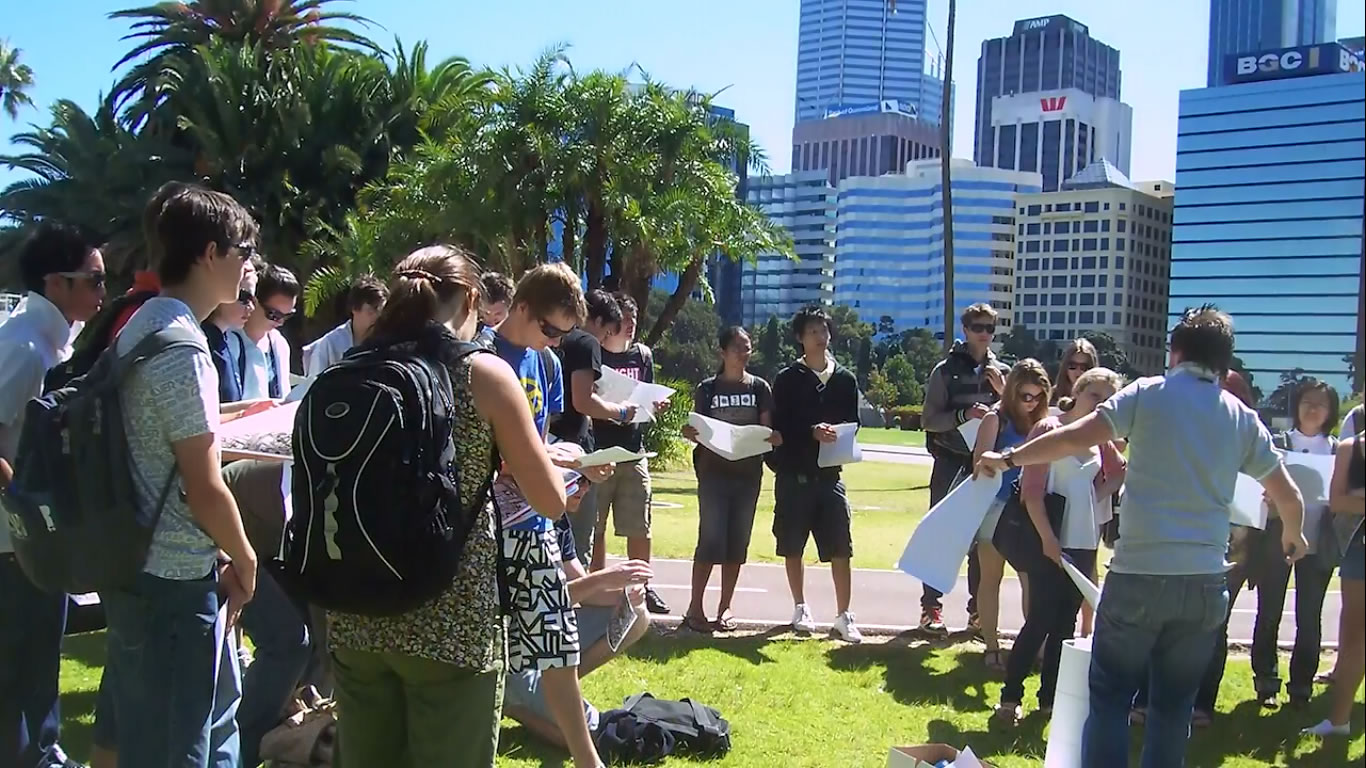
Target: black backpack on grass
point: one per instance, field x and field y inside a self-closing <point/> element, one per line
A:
<point x="73" y="510"/>
<point x="646" y="730"/>
<point x="377" y="526"/>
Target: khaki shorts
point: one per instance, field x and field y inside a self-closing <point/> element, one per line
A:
<point x="626" y="494"/>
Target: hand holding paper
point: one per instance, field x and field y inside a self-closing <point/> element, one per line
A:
<point x="617" y="387"/>
<point x="613" y="455"/>
<point x="844" y="449"/>
<point x="730" y="441"/>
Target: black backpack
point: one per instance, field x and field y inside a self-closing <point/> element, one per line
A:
<point x="377" y="527"/>
<point x="646" y="730"/>
<point x="96" y="337"/>
<point x="74" y="515"/>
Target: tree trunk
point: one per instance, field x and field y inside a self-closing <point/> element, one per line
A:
<point x="637" y="278"/>
<point x="687" y="281"/>
<point x="595" y="243"/>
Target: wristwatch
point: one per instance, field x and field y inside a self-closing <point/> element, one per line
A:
<point x="1008" y="456"/>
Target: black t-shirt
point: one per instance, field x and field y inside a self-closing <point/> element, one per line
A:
<point x="579" y="351"/>
<point x="734" y="402"/>
<point x="636" y="363"/>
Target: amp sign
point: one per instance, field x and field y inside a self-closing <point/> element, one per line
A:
<point x="1302" y="61"/>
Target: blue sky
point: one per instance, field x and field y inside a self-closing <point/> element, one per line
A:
<point x="747" y="47"/>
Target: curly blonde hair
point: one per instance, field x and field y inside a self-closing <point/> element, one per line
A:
<point x="1089" y="379"/>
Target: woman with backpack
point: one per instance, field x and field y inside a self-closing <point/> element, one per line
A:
<point x="727" y="491"/>
<point x="1024" y="403"/>
<point x="424" y="688"/>
<point x="1315" y="408"/>
<point x="1053" y="599"/>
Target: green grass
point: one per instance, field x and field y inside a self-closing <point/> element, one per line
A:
<point x="808" y="702"/>
<point x="888" y="501"/>
<point x="880" y="436"/>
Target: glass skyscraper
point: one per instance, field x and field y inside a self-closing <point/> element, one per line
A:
<point x="1268" y="217"/>
<point x="853" y="53"/>
<point x="1240" y="26"/>
<point x="1050" y="53"/>
<point x="889" y="242"/>
<point x="804" y="204"/>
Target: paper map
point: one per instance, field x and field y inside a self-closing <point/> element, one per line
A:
<point x="731" y="441"/>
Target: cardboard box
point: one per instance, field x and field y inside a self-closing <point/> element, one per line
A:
<point x="911" y="757"/>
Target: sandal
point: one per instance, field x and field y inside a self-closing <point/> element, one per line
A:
<point x="701" y="626"/>
<point x="994" y="660"/>
<point x="725" y="622"/>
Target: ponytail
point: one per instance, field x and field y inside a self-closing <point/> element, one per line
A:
<point x="423" y="283"/>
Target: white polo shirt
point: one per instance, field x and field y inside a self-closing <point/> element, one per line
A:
<point x="35" y="339"/>
<point x="272" y="349"/>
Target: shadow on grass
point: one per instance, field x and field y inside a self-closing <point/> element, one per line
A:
<point x="1249" y="730"/>
<point x="517" y="742"/>
<point x="663" y="645"/>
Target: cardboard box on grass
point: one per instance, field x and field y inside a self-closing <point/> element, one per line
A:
<point x="911" y="757"/>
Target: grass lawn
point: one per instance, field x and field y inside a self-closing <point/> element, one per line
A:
<point x="888" y="501"/>
<point x="880" y="436"/>
<point x="808" y="702"/>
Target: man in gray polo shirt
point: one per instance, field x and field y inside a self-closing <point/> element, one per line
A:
<point x="1165" y="596"/>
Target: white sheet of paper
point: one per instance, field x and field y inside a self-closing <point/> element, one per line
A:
<point x="1247" y="508"/>
<point x="298" y="391"/>
<point x="276" y="420"/>
<point x="845" y="449"/>
<point x="1313" y="474"/>
<point x="617" y="387"/>
<point x="966" y="759"/>
<point x="613" y="455"/>
<point x="968" y="430"/>
<point x="1089" y="591"/>
<point x="939" y="545"/>
<point x="731" y="441"/>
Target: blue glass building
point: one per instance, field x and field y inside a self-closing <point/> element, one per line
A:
<point x="889" y="242"/>
<point x="852" y="53"/>
<point x="1239" y="26"/>
<point x="1268" y="211"/>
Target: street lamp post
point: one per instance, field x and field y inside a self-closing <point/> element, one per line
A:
<point x="945" y="165"/>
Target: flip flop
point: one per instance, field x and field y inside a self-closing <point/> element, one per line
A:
<point x="725" y="623"/>
<point x="701" y="626"/>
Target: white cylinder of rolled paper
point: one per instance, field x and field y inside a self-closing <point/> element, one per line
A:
<point x="1071" y="704"/>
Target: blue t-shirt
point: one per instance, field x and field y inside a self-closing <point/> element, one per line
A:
<point x="544" y="387"/>
<point x="1008" y="437"/>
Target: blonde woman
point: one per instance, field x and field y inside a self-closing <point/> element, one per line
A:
<point x="1087" y="480"/>
<point x="1024" y="403"/>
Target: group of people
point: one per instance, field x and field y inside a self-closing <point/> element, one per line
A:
<point x="1175" y="445"/>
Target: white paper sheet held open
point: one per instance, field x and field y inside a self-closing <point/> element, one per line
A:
<point x="617" y="387"/>
<point x="731" y="441"/>
<point x="937" y="548"/>
<point x="1089" y="591"/>
<point x="968" y="430"/>
<point x="613" y="455"/>
<point x="845" y="449"/>
<point x="1247" y="508"/>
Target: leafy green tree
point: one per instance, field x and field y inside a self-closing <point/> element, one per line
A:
<point x="688" y="352"/>
<point x="771" y="351"/>
<point x="1111" y="354"/>
<point x="880" y="391"/>
<point x="902" y="374"/>
<point x="849" y="333"/>
<point x="1020" y="343"/>
<point x="865" y="361"/>
<point x="1279" y="400"/>
<point x="16" y="79"/>
<point x="922" y="351"/>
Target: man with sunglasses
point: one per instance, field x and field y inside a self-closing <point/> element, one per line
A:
<point x="262" y="357"/>
<point x="64" y="275"/>
<point x="962" y="387"/>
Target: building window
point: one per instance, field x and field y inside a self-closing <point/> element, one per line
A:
<point x="1088" y="281"/>
<point x="1032" y="246"/>
<point x="1105" y="224"/>
<point x="1046" y="246"/>
<point x="1047" y="228"/>
<point x="1059" y="281"/>
<point x="1072" y="317"/>
<point x="1103" y="279"/>
<point x="1100" y="298"/>
<point x="1047" y="207"/>
<point x="1090" y="225"/>
<point x="1114" y="316"/>
<point x="1076" y="263"/>
<point x="1035" y="210"/>
<point x="1119" y="244"/>
<point x="1121" y="225"/>
<point x="1059" y="300"/>
<point x="1030" y="229"/>
<point x="1031" y="282"/>
<point x="1088" y="244"/>
<point x="1031" y="264"/>
<point x="1119" y="299"/>
<point x="1060" y="246"/>
<point x="1028" y="317"/>
<point x="1088" y="262"/>
<point x="1119" y="262"/>
<point x="1057" y="335"/>
<point x="1122" y="206"/>
<point x="1076" y="243"/>
<point x="1074" y="281"/>
<point x="1086" y="318"/>
<point x="1088" y="299"/>
<point x="1104" y="262"/>
<point x="1062" y="228"/>
<point x="1020" y="230"/>
<point x="1091" y="207"/>
<point x="1057" y="318"/>
<point x="1105" y="244"/>
<point x="1029" y="299"/>
<point x="1106" y="207"/>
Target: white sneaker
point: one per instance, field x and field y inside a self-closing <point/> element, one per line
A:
<point x="1326" y="728"/>
<point x="801" y="619"/>
<point x="846" y="630"/>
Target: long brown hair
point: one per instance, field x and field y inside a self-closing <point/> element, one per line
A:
<point x="1077" y="346"/>
<point x="426" y="280"/>
<point x="1027" y="371"/>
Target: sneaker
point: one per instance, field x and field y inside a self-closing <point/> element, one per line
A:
<point x="846" y="630"/>
<point x="932" y="621"/>
<point x="653" y="602"/>
<point x="801" y="619"/>
<point x="1326" y="728"/>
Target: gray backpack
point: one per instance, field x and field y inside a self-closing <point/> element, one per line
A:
<point x="74" y="515"/>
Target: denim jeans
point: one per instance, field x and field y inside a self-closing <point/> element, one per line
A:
<point x="1311" y="584"/>
<point x="1208" y="695"/>
<point x="278" y="627"/>
<point x="177" y="685"/>
<point x="31" y="626"/>
<point x="1166" y="627"/>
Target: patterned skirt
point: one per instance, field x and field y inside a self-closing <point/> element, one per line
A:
<point x="543" y="633"/>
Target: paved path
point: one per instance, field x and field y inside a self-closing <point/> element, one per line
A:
<point x="889" y="601"/>
<point x="896" y="454"/>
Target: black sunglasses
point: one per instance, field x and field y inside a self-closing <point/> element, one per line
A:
<point x="246" y="299"/>
<point x="1030" y="397"/>
<point x="96" y="279"/>
<point x="1073" y="365"/>
<point x="982" y="328"/>
<point x="275" y="315"/>
<point x="553" y="332"/>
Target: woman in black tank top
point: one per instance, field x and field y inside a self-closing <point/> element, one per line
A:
<point x="1347" y="501"/>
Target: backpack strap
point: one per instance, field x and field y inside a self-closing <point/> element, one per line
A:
<point x="632" y="701"/>
<point x="705" y="721"/>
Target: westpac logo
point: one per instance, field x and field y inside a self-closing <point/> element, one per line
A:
<point x="1053" y="103"/>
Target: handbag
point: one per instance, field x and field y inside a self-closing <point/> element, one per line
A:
<point x="1017" y="539"/>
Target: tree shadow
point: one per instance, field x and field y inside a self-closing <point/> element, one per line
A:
<point x="78" y="730"/>
<point x="910" y="680"/>
<point x="88" y="648"/>
<point x="1249" y="730"/>
<point x="518" y="742"/>
<point x="665" y="644"/>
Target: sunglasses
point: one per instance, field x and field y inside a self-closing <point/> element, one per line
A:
<point x="96" y="279"/>
<point x="1030" y="397"/>
<point x="982" y="328"/>
<point x="552" y="331"/>
<point x="246" y="299"/>
<point x="275" y="315"/>
<point x="247" y="250"/>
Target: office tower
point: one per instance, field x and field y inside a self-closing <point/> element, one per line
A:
<point x="1095" y="256"/>
<point x="803" y="203"/>
<point x="1042" y="56"/>
<point x="1239" y="26"/>
<point x="889" y="242"/>
<point x="859" y="52"/>
<point x="1057" y="133"/>
<point x="723" y="273"/>
<point x="862" y="144"/>
<point x="1269" y="208"/>
<point x="1356" y="45"/>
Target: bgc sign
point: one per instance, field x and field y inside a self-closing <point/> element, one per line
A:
<point x="1302" y="61"/>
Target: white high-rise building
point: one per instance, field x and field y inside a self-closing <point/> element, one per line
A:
<point x="1057" y="133"/>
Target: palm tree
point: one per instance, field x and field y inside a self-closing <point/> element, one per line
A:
<point x="168" y="29"/>
<point x="15" y="80"/>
